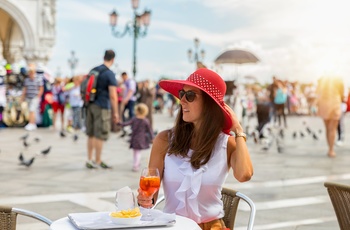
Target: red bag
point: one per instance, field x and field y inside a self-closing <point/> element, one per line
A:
<point x="348" y="103"/>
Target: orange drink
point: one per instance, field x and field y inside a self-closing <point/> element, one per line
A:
<point x="149" y="184"/>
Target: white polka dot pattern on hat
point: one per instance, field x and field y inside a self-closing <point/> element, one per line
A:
<point x="207" y="86"/>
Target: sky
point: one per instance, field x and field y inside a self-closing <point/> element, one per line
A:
<point x="296" y="40"/>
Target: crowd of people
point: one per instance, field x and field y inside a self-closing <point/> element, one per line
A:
<point x="271" y="105"/>
<point x="187" y="155"/>
<point x="57" y="103"/>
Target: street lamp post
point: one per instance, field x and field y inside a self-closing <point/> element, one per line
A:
<point x="72" y="62"/>
<point x="195" y="56"/>
<point x="137" y="27"/>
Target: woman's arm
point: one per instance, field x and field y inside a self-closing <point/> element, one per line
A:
<point x="159" y="149"/>
<point x="238" y="153"/>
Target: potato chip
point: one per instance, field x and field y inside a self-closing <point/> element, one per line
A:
<point x="130" y="213"/>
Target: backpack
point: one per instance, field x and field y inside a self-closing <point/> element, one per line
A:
<point x="280" y="97"/>
<point x="88" y="88"/>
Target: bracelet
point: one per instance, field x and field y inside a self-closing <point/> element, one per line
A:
<point x="240" y="134"/>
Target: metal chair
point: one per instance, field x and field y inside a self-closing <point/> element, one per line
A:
<point x="8" y="217"/>
<point x="340" y="197"/>
<point x="230" y="199"/>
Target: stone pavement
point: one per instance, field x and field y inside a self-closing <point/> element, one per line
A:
<point x="287" y="187"/>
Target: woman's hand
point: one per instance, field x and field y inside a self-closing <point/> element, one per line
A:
<point x="143" y="200"/>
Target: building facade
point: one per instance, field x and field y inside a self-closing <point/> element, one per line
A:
<point x="27" y="30"/>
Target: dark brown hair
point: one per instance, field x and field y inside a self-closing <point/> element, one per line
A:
<point x="109" y="55"/>
<point x="202" y="142"/>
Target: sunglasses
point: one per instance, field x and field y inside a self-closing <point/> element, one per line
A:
<point x="189" y="95"/>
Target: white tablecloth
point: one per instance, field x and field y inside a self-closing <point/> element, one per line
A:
<point x="182" y="223"/>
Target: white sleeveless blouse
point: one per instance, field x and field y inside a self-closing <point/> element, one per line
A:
<point x="196" y="193"/>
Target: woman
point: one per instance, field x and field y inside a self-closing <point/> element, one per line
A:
<point x="195" y="156"/>
<point x="330" y="92"/>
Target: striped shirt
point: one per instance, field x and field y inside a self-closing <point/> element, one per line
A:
<point x="33" y="86"/>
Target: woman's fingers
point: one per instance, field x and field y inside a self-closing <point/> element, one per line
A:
<point x="144" y="200"/>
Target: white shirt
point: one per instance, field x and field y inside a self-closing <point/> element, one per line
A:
<point x="196" y="193"/>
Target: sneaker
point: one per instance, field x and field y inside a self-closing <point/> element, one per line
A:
<point x="339" y="143"/>
<point x="123" y="134"/>
<point x="30" y="127"/>
<point x="104" y="166"/>
<point x="90" y="165"/>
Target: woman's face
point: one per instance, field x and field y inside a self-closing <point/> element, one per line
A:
<point x="192" y="111"/>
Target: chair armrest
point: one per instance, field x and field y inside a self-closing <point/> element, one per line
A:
<point x="159" y="200"/>
<point x="32" y="215"/>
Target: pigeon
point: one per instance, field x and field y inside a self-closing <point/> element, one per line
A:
<point x="281" y="133"/>
<point x="279" y="149"/>
<point x="21" y="158"/>
<point x="308" y="130"/>
<point x="37" y="139"/>
<point x="301" y="134"/>
<point x="46" y="151"/>
<point x="294" y="135"/>
<point x="27" y="163"/>
<point x="24" y="137"/>
<point x="25" y="144"/>
<point x="75" y="137"/>
<point x="314" y="136"/>
<point x="62" y="134"/>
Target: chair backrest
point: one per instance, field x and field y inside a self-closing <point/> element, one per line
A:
<point x="8" y="217"/>
<point x="340" y="197"/>
<point x="230" y="199"/>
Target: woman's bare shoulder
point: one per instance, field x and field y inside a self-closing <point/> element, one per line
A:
<point x="160" y="144"/>
<point x="163" y="136"/>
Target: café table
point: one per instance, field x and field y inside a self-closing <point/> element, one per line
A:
<point x="182" y="223"/>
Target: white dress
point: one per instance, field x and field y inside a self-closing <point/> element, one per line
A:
<point x="196" y="193"/>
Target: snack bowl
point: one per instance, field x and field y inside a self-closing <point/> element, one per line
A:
<point x="125" y="220"/>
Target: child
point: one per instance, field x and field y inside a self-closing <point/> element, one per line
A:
<point x="141" y="135"/>
<point x="58" y="102"/>
<point x="76" y="103"/>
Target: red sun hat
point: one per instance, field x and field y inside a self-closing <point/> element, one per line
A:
<point x="209" y="82"/>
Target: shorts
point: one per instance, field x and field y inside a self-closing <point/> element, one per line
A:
<point x="33" y="104"/>
<point x="213" y="225"/>
<point x="98" y="122"/>
<point x="57" y="106"/>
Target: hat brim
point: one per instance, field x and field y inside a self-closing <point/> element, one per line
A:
<point x="174" y="86"/>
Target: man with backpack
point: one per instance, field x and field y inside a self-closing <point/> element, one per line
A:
<point x="98" y="111"/>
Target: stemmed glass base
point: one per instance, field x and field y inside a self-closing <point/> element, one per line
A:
<point x="148" y="216"/>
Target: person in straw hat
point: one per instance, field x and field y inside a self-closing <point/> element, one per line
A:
<point x="195" y="156"/>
